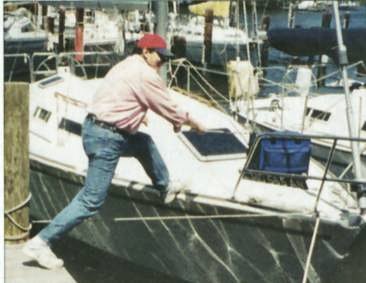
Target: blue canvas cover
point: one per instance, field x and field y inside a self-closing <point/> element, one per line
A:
<point x="282" y="154"/>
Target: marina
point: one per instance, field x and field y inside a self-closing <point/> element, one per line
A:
<point x="274" y="187"/>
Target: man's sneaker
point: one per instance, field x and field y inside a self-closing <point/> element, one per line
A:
<point x="40" y="251"/>
<point x="173" y="189"/>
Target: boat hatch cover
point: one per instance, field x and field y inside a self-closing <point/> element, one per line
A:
<point x="213" y="145"/>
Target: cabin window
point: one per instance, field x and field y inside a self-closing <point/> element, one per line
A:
<point x="42" y="114"/>
<point x="50" y="81"/>
<point x="216" y="144"/>
<point x="320" y="115"/>
<point x="70" y="126"/>
<point x="364" y="126"/>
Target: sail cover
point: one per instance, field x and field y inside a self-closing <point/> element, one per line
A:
<point x="220" y="8"/>
<point x="319" y="41"/>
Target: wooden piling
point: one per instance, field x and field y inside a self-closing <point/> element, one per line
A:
<point x="326" y="19"/>
<point x="346" y="20"/>
<point x="51" y="24"/>
<point x="207" y="41"/>
<point x="264" y="53"/>
<point x="16" y="161"/>
<point x="322" y="64"/>
<point x="44" y="17"/>
<point x="61" y="30"/>
<point x="291" y="16"/>
<point x="79" y="34"/>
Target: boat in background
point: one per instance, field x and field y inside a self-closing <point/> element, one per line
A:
<point x="228" y="42"/>
<point x="21" y="35"/>
<point x="316" y="6"/>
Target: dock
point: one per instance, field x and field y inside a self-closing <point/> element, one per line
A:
<point x="20" y="269"/>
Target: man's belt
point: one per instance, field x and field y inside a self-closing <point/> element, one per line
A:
<point x="105" y="125"/>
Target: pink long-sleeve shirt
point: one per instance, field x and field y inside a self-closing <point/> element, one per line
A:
<point x="131" y="88"/>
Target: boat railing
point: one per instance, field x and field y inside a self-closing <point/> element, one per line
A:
<point x="44" y="64"/>
<point x="197" y="75"/>
<point x="352" y="184"/>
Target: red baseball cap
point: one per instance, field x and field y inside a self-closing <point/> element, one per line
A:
<point x="156" y="42"/>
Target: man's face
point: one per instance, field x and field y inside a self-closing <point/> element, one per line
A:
<point x="153" y="58"/>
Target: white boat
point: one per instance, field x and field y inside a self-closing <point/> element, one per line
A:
<point x="21" y="35"/>
<point x="309" y="5"/>
<point x="227" y="228"/>
<point x="225" y="40"/>
<point x="102" y="30"/>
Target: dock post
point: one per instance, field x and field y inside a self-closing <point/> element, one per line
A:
<point x="346" y="20"/>
<point x="322" y="61"/>
<point x="50" y="20"/>
<point x="16" y="162"/>
<point x="79" y="34"/>
<point x="61" y="30"/>
<point x="160" y="8"/>
<point x="291" y="16"/>
<point x="207" y="41"/>
<point x="264" y="52"/>
<point x="44" y="17"/>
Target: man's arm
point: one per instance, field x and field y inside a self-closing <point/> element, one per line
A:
<point x="159" y="101"/>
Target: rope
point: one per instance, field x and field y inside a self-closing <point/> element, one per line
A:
<point x="202" y="217"/>
<point x="15" y="208"/>
<point x="311" y="249"/>
<point x="19" y="226"/>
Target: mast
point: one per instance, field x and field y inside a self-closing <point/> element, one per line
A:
<point x="160" y="9"/>
<point x="246" y="28"/>
<point x="343" y="61"/>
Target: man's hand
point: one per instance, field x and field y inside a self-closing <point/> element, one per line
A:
<point x="197" y="126"/>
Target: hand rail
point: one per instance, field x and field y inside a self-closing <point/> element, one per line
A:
<point x="42" y="59"/>
<point x="323" y="179"/>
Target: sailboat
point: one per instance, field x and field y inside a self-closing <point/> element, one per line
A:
<point x="238" y="221"/>
<point x="226" y="39"/>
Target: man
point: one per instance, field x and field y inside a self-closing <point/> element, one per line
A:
<point x="110" y="130"/>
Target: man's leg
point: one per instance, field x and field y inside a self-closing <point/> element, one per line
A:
<point x="87" y="202"/>
<point x="103" y="149"/>
<point x="142" y="147"/>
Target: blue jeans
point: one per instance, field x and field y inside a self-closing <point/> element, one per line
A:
<point x="104" y="148"/>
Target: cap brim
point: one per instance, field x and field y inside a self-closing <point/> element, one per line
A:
<point x="164" y="53"/>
